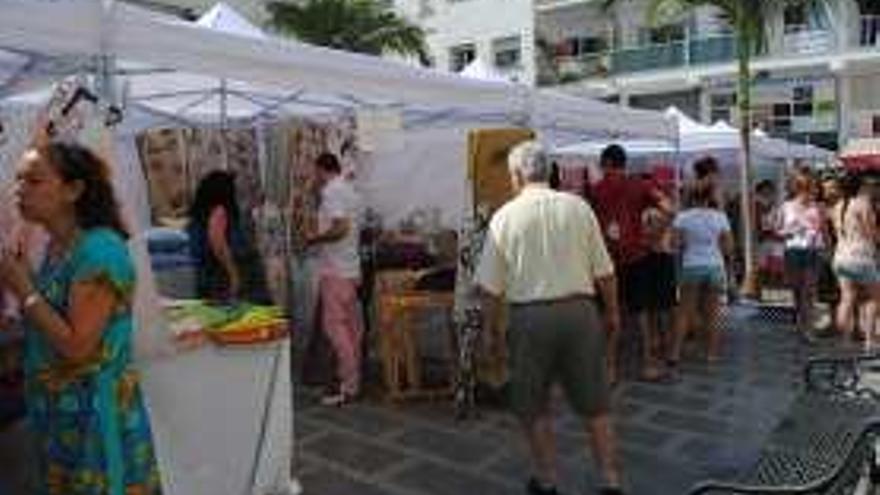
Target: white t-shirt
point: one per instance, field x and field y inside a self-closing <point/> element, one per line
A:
<point x="339" y="201"/>
<point x="700" y="230"/>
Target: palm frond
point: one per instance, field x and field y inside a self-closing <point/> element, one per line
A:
<point x="665" y="12"/>
<point x="362" y="26"/>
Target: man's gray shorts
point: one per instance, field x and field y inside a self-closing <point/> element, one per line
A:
<point x="557" y="342"/>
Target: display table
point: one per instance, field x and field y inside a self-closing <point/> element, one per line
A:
<point x="222" y="419"/>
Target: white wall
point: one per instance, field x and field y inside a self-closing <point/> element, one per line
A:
<point x="454" y="23"/>
<point x="572" y="21"/>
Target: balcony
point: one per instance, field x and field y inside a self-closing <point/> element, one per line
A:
<point x="714" y="50"/>
<point x="803" y="40"/>
<point x="575" y="68"/>
<point x="697" y="51"/>
<point x="649" y="57"/>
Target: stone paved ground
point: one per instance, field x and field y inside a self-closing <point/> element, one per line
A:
<point x="671" y="435"/>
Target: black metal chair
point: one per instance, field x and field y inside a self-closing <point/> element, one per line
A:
<point x="826" y="442"/>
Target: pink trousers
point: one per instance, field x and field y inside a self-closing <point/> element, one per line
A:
<point x="339" y="319"/>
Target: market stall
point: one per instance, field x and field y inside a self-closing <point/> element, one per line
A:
<point x="169" y="77"/>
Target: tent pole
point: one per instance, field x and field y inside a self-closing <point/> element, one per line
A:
<point x="224" y="95"/>
<point x="105" y="82"/>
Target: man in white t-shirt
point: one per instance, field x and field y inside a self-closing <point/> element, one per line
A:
<point x="339" y="274"/>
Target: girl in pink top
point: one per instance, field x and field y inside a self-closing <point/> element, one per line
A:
<point x="802" y="228"/>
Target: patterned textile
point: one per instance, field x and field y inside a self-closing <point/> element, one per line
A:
<point x="488" y="149"/>
<point x="205" y="152"/>
<point x="88" y="417"/>
<point x="165" y="166"/>
<point x="242" y="158"/>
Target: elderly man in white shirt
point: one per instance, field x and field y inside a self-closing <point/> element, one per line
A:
<point x="339" y="274"/>
<point x="544" y="255"/>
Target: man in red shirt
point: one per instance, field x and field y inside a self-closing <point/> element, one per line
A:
<point x="620" y="203"/>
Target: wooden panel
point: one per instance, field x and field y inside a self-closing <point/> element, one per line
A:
<point x="487" y="154"/>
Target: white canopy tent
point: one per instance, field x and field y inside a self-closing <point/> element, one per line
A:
<point x="636" y="148"/>
<point x="482" y="71"/>
<point x="92" y="27"/>
<point x="223" y="70"/>
<point x="721" y="137"/>
<point x="695" y="140"/>
<point x="222" y="17"/>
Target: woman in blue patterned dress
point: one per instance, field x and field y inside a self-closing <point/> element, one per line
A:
<point x="83" y="395"/>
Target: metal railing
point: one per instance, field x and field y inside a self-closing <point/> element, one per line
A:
<point x="805" y="40"/>
<point x="657" y="56"/>
<point x="796" y="40"/>
<point x="712" y="50"/>
<point x="649" y="57"/>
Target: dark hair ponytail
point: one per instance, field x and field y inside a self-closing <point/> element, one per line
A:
<point x="97" y="205"/>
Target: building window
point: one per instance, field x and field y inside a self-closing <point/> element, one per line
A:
<point x="721" y="107"/>
<point x="785" y="107"/>
<point x="795" y="17"/>
<point x="507" y="51"/>
<point x="670" y="33"/>
<point x="581" y="46"/>
<point x="462" y="55"/>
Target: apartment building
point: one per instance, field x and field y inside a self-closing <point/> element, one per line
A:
<point x="817" y="80"/>
<point x="500" y="33"/>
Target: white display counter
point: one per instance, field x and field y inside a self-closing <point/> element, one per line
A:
<point x="222" y="419"/>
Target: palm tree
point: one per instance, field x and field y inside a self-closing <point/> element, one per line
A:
<point x="362" y="26"/>
<point x="751" y="22"/>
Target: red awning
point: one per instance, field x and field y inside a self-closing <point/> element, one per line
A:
<point x="861" y="163"/>
<point x="862" y="155"/>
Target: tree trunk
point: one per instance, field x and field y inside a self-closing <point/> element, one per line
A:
<point x="751" y="284"/>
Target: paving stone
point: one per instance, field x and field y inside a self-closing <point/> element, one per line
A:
<point x="659" y="396"/>
<point x="625" y="408"/>
<point x="512" y="467"/>
<point x="704" y="387"/>
<point x="442" y="414"/>
<point x="646" y="472"/>
<point x="356" y="418"/>
<point x="463" y="448"/>
<point x="644" y="436"/>
<point x="430" y="478"/>
<point x="574" y="476"/>
<point x="694" y="423"/>
<point x="358" y="455"/>
<point x="327" y="482"/>
<point x="671" y="435"/>
<point x="307" y="428"/>
<point x="697" y="449"/>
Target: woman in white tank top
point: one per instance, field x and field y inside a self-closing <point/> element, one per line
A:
<point x="855" y="258"/>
